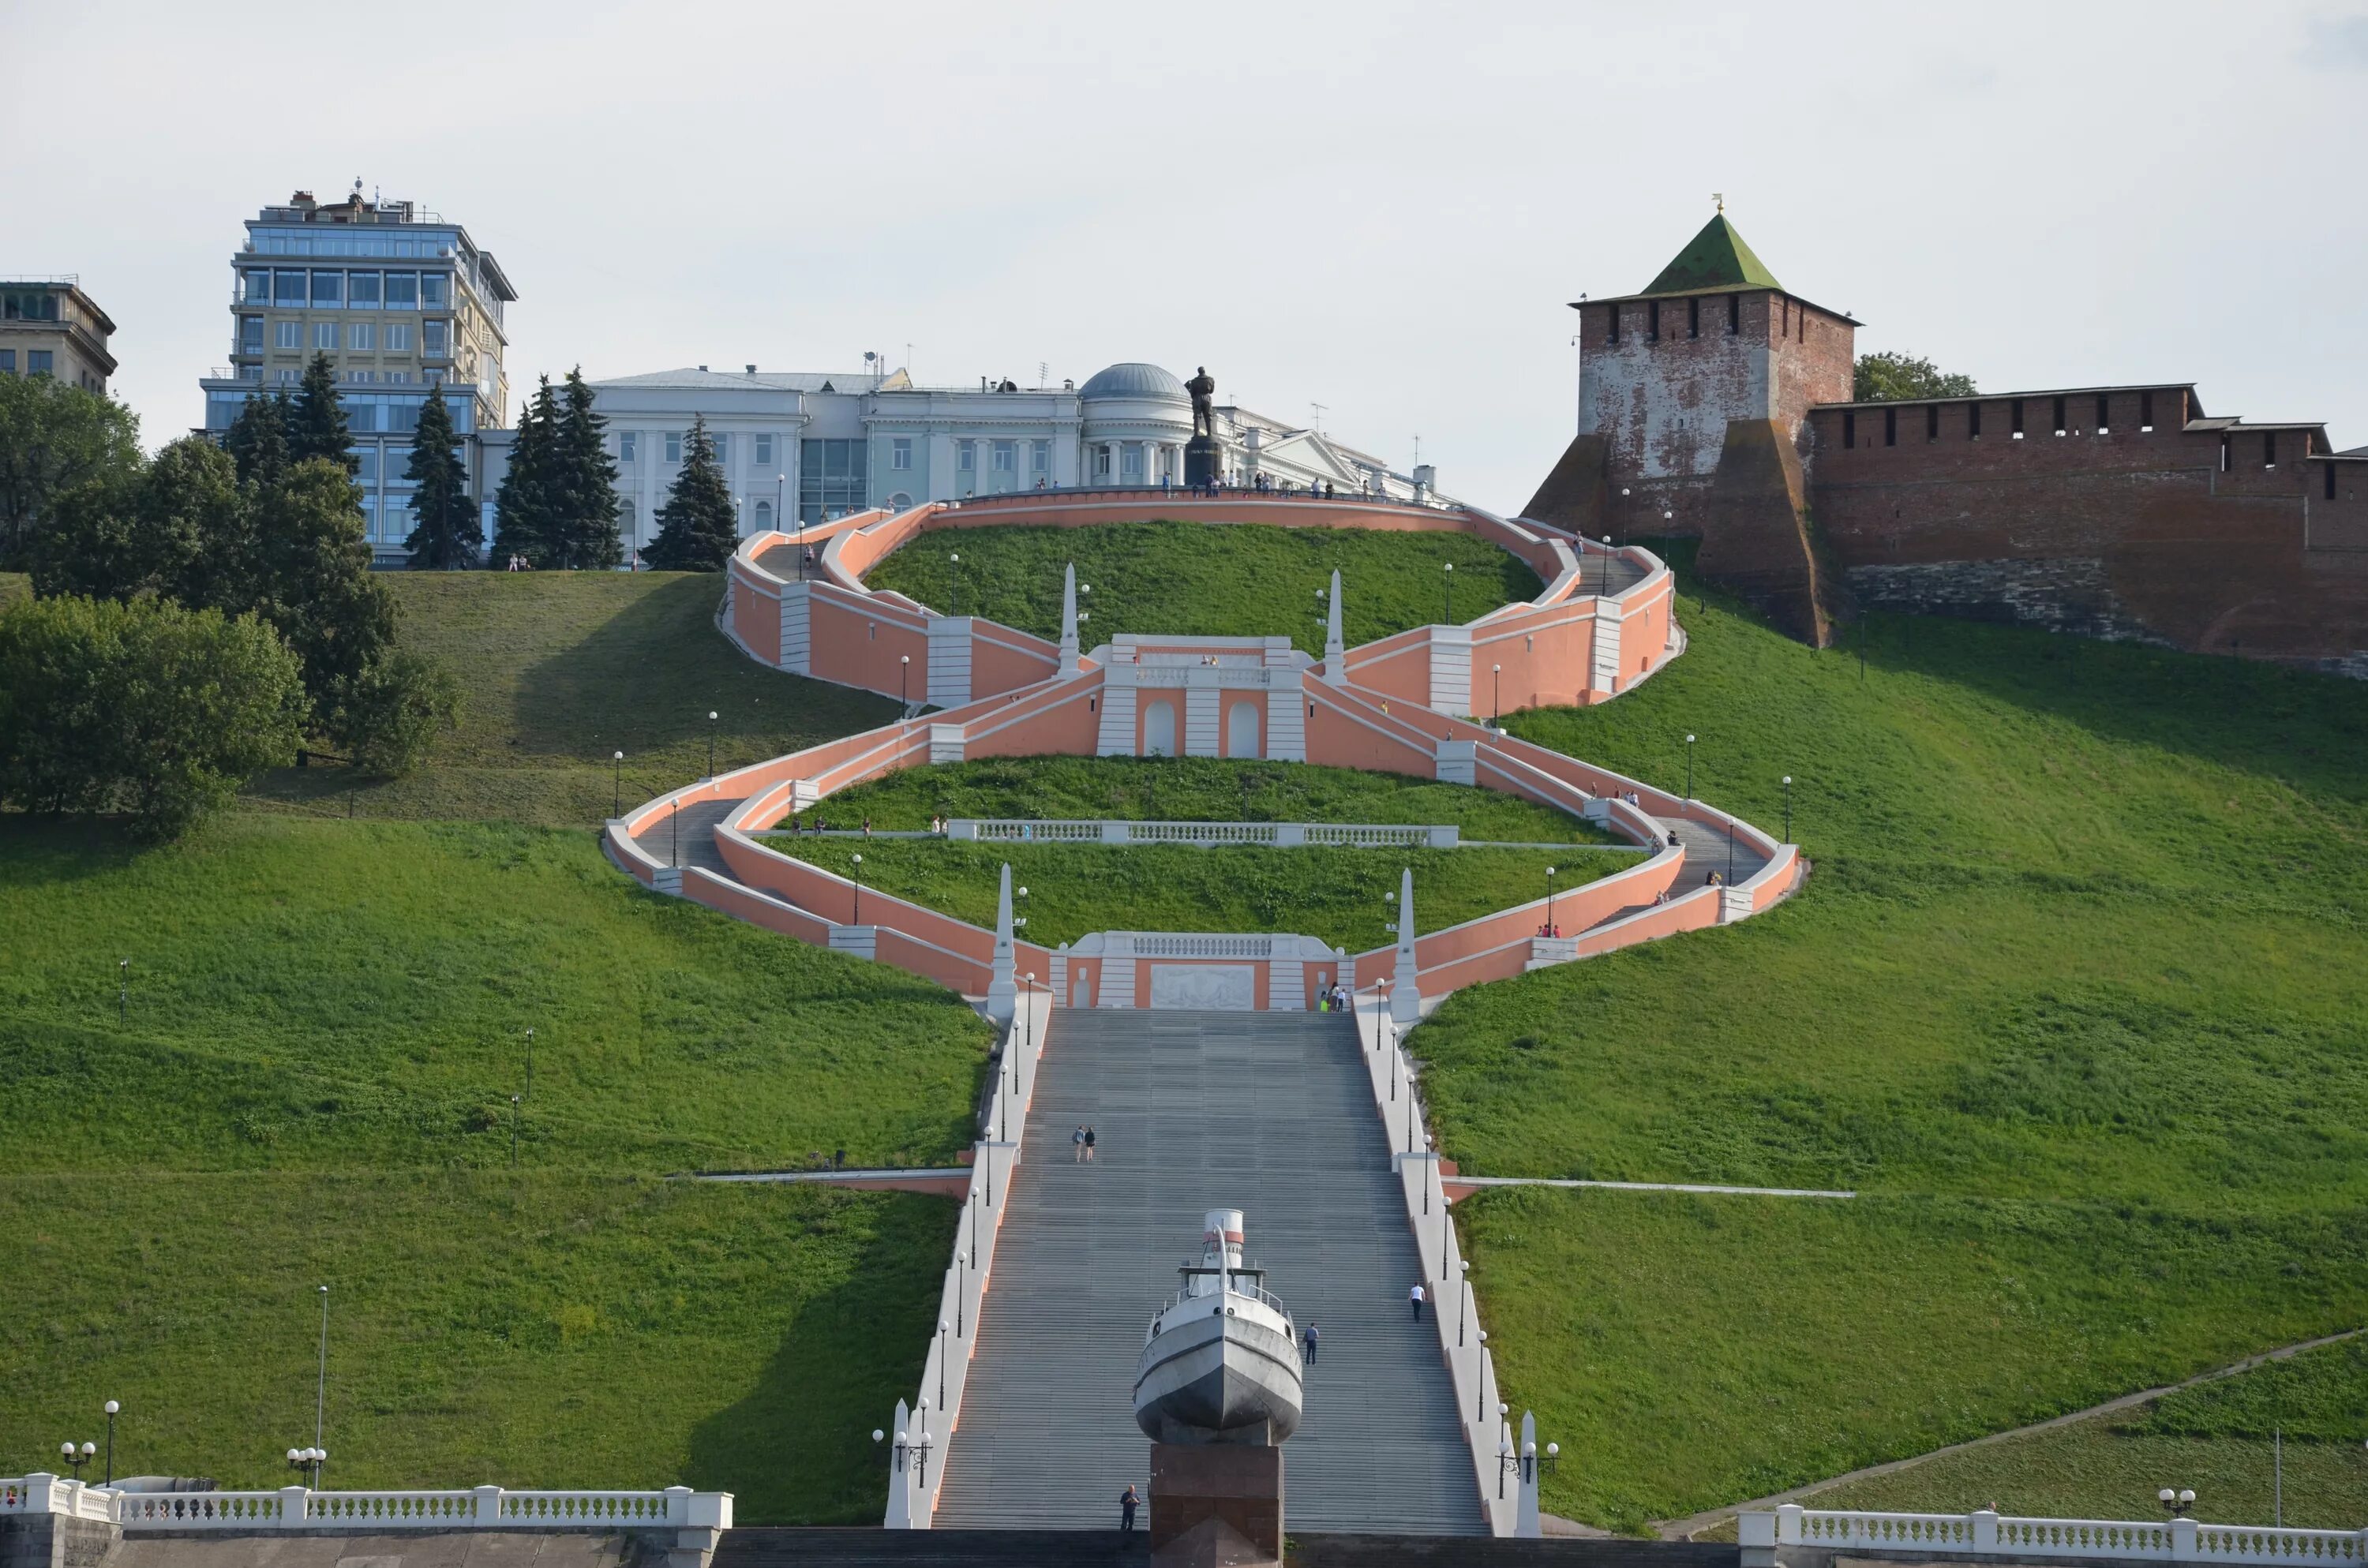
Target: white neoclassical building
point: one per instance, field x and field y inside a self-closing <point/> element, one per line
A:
<point x="804" y="447"/>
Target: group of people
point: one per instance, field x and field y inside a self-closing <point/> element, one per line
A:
<point x="1082" y="1141"/>
<point x="1333" y="999"/>
<point x="519" y="563"/>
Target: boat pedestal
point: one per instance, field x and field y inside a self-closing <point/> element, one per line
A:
<point x="1215" y="1506"/>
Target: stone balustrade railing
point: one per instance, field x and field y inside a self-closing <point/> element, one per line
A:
<point x="1765" y="1536"/>
<point x="1281" y="835"/>
<point x="923" y="1428"/>
<point x="299" y="1508"/>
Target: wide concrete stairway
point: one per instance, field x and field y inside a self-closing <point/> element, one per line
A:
<point x="1264" y="1112"/>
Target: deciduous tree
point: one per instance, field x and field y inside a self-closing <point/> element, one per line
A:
<point x="1890" y="377"/>
<point x="141" y="707"/>
<point x="56" y="440"/>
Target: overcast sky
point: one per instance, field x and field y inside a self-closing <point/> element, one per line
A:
<point x="1384" y="207"/>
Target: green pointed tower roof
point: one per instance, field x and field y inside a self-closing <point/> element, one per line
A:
<point x="1714" y="259"/>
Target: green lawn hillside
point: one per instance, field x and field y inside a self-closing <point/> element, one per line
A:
<point x="308" y="1078"/>
<point x="2221" y="1438"/>
<point x="1189" y="579"/>
<point x="2072" y="999"/>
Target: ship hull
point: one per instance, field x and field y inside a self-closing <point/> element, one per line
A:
<point x="1212" y="1379"/>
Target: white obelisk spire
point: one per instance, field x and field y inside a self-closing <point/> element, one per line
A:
<point x="1068" y="621"/>
<point x="1406" y="997"/>
<point x="1002" y="989"/>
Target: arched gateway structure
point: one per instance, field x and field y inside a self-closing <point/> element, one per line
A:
<point x="1403" y="704"/>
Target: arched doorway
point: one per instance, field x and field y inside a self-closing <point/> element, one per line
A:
<point x="1159" y="729"/>
<point x="1242" y="730"/>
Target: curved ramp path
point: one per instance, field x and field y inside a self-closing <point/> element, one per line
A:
<point x="1266" y="1112"/>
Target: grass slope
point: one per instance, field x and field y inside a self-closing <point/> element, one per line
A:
<point x="1194" y="789"/>
<point x="2215" y="1438"/>
<point x="1206" y="580"/>
<point x="2073" y="996"/>
<point x="1344" y="896"/>
<point x="562" y="670"/>
<point x="311" y="1082"/>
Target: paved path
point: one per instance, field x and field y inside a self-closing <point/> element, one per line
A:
<point x="1685" y="1530"/>
<point x="1265" y="1112"/>
<point x="697" y="845"/>
<point x="1707" y="850"/>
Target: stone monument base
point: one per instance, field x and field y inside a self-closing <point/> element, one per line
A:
<point x="1215" y="1506"/>
<point x="1204" y="460"/>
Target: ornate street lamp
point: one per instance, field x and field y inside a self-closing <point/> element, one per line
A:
<point x="617" y="784"/>
<point x="956" y="559"/>
<point x="1689" y="767"/>
<point x="1451" y="593"/>
<point x="1496" y="694"/>
<point x="1788" y="808"/>
<point x="2177" y="1502"/>
<point x="858" y="890"/>
<point x="111" y="1408"/>
<point x="903" y="679"/>
<point x="710" y="743"/>
<point x="76" y="1458"/>
<point x="1550" y="877"/>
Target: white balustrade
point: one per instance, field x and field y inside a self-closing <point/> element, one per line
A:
<point x="296" y="1507"/>
<point x="1997" y="1535"/>
<point x="1096" y="830"/>
<point x="925" y="1428"/>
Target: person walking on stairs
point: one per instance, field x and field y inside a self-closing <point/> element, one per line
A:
<point x="1077" y="1145"/>
<point x="1415" y="1297"/>
<point x="1089" y="1145"/>
<point x="1127" y="1504"/>
<point x="1307" y="1349"/>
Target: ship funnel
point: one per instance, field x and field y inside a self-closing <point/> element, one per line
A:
<point x="1221" y="1238"/>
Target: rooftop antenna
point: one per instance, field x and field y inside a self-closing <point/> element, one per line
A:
<point x="1418" y="451"/>
<point x="909" y="361"/>
<point x="1043" y="370"/>
<point x="1318" y="409"/>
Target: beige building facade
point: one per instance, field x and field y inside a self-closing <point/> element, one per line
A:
<point x="50" y="327"/>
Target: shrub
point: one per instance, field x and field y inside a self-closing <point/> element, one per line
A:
<point x="140" y="706"/>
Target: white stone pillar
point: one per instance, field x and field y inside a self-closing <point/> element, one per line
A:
<point x="1002" y="988"/>
<point x="1336" y="651"/>
<point x="1525" y="1514"/>
<point x="1406" y="997"/>
<point x="1068" y="621"/>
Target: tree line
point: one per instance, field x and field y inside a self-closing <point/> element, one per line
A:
<point x="198" y="614"/>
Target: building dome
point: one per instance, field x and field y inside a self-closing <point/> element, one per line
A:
<point x="1134" y="379"/>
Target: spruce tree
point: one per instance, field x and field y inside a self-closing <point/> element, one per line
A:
<point x="316" y="426"/>
<point x="522" y="512"/>
<point x="257" y="438"/>
<point x="583" y="485"/>
<point x="445" y="537"/>
<point x="698" y="527"/>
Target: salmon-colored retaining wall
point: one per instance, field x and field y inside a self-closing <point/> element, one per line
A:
<point x="1380" y="722"/>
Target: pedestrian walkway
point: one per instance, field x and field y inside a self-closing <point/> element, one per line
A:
<point x="1265" y="1112"/>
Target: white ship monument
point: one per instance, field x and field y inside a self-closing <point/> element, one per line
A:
<point x="1217" y="1390"/>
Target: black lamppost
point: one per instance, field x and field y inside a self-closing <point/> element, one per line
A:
<point x="1689" y="767"/>
<point x="1550" y="877"/>
<point x="941" y="1360"/>
<point x="617" y="786"/>
<point x="858" y="879"/>
<point x="710" y="743"/>
<point x="1496" y="694"/>
<point x="530" y="1061"/>
<point x="1449" y="569"/>
<point x="312" y="1459"/>
<point x="123" y="989"/>
<point x="514" y="1131"/>
<point x="677" y="835"/>
<point x="1607" y="566"/>
<point x="321" y="1387"/>
<point x="956" y="559"/>
<point x="77" y="1457"/>
<point x="1462" y="1296"/>
<point x="1788" y="808"/>
<point x="903" y="679"/>
<point x="2177" y="1502"/>
<point x="1730" y="851"/>
<point x="111" y="1408"/>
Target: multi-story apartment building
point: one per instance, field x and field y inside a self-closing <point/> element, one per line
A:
<point x="400" y="299"/>
<point x="50" y="327"/>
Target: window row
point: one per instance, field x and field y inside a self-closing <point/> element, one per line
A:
<point x="2060" y="412"/>
<point x="38" y="361"/>
<point x="1004" y="456"/>
<point x="629" y="446"/>
<point x="1791" y="323"/>
<point x="358" y="338"/>
<point x="28" y="304"/>
<point x="269" y="243"/>
<point x="351" y="290"/>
